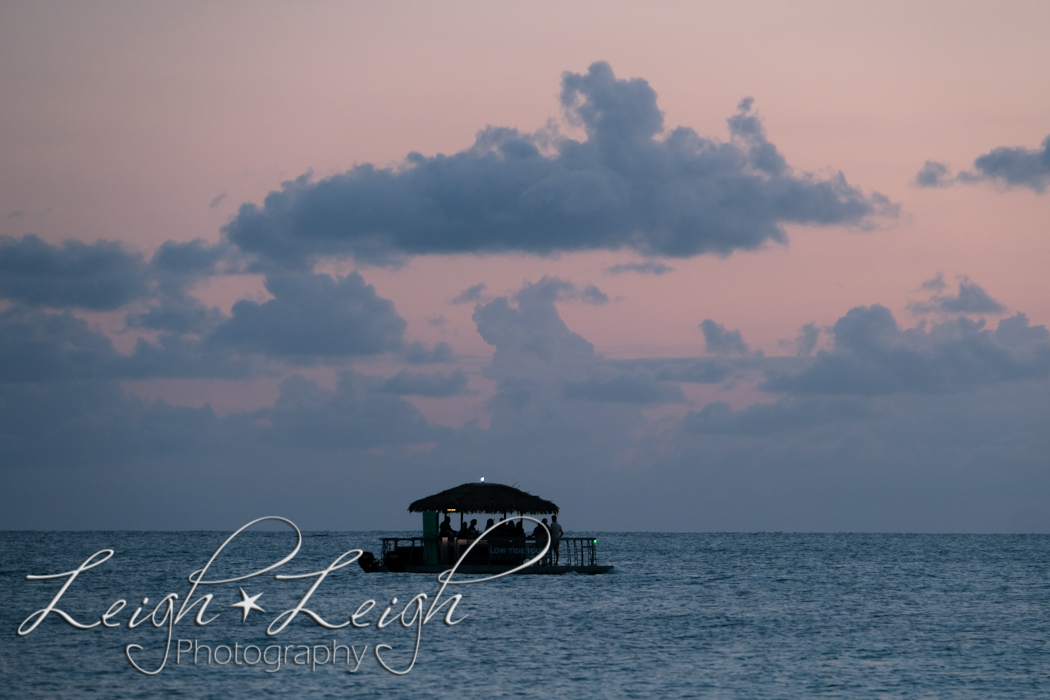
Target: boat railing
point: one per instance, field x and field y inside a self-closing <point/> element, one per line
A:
<point x="416" y="551"/>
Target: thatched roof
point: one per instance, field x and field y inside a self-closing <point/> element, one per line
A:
<point x="484" y="498"/>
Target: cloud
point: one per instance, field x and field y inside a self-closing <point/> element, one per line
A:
<point x="417" y="354"/>
<point x="556" y="289"/>
<point x="36" y="346"/>
<point x="539" y="362"/>
<point x="357" y="414"/>
<point x="629" y="185"/>
<point x="470" y="295"/>
<point x="1016" y="167"/>
<point x="647" y="267"/>
<point x="717" y="418"/>
<point x="406" y="383"/>
<point x="217" y="200"/>
<point x="970" y="299"/>
<point x="807" y="339"/>
<point x="621" y="387"/>
<point x="1009" y="167"/>
<point x="42" y="347"/>
<point x="934" y="174"/>
<point x="719" y="341"/>
<point x="100" y="276"/>
<point x="314" y="316"/>
<point x="873" y="356"/>
<point x="689" y="370"/>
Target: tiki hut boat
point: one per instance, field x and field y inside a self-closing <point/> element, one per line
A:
<point x="495" y="553"/>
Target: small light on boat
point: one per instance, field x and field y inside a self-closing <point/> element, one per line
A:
<point x="483" y="480"/>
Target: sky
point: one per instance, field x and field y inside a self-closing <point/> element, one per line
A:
<point x="694" y="267"/>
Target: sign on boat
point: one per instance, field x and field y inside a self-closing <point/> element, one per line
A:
<point x="489" y="552"/>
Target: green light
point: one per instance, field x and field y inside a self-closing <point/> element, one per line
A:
<point x="595" y="541"/>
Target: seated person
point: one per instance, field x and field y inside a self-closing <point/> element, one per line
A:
<point x="472" y="531"/>
<point x="446" y="528"/>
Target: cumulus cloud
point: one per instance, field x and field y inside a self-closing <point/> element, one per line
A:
<point x="934" y="174"/>
<point x="357" y="414"/>
<point x="1016" y="167"/>
<point x="629" y="185"/>
<point x="719" y="341"/>
<point x="406" y="383"/>
<point x="872" y="355"/>
<point x="417" y="353"/>
<point x="555" y="289"/>
<point x="314" y="316"/>
<point x="646" y="267"/>
<point x="539" y="362"/>
<point x="98" y="276"/>
<point x="970" y="299"/>
<point x="1009" y="167"/>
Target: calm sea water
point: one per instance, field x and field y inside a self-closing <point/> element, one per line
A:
<point x="683" y="615"/>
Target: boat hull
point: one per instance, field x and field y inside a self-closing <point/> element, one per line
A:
<point x="491" y="569"/>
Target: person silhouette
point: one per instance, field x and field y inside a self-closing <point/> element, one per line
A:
<point x="556" y="535"/>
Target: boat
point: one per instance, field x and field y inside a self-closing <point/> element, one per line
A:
<point x="495" y="551"/>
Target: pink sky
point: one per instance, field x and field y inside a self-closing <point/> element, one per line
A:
<point x="144" y="123"/>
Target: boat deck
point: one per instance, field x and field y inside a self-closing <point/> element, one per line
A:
<point x="489" y="556"/>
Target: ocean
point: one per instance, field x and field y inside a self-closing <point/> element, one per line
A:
<point x="681" y="616"/>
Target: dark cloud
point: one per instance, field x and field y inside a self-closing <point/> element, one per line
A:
<point x="1009" y="167"/>
<point x="970" y="299"/>
<point x="1016" y="167"/>
<point x="44" y="347"/>
<point x="406" y="383"/>
<point x="553" y="288"/>
<point x="99" y="276"/>
<point x="416" y="353"/>
<point x="622" y="387"/>
<point x="217" y="200"/>
<point x="88" y="423"/>
<point x="175" y="355"/>
<point x="195" y="258"/>
<point x="718" y="418"/>
<point x="178" y="314"/>
<point x="678" y="195"/>
<point x="934" y="174"/>
<point x="539" y="361"/>
<point x="647" y="267"/>
<point x="872" y="356"/>
<point x="357" y="414"/>
<point x="689" y="370"/>
<point x="719" y="341"/>
<point x="314" y="316"/>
